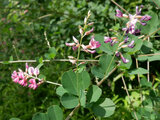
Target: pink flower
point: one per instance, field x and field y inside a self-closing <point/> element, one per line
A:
<point x="15" y="77"/>
<point x="89" y="32"/>
<point x="94" y="44"/>
<point x="33" y="71"/>
<point x="23" y="82"/>
<point x="74" y="45"/>
<point x="22" y="77"/>
<point x="36" y="71"/>
<point x="33" y="84"/>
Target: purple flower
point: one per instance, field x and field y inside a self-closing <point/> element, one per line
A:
<point x="142" y="23"/>
<point x="124" y="59"/>
<point x="119" y="13"/>
<point x="107" y="39"/>
<point x="131" y="45"/>
<point x="146" y="18"/>
<point x="137" y="32"/>
<point x="117" y="54"/>
<point x="126" y="39"/>
<point x="138" y="11"/>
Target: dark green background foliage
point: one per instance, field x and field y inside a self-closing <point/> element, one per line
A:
<point x="22" y="37"/>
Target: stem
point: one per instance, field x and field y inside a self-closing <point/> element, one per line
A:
<point x="149" y="54"/>
<point x="148" y="77"/>
<point x="137" y="68"/>
<point x="105" y="76"/>
<point x="45" y="35"/>
<point x="156" y="4"/>
<point x="99" y="83"/>
<point x="139" y="81"/>
<point x="15" y="52"/>
<point x="120" y="6"/>
<point x="73" y="111"/>
<point x="129" y="97"/>
<point x="53" y="83"/>
<point x="56" y="60"/>
<point x="42" y="80"/>
<point x="151" y="34"/>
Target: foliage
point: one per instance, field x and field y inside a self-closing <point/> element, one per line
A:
<point x="26" y="28"/>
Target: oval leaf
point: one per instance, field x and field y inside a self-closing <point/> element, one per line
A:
<point x="93" y="93"/>
<point x="55" y="113"/>
<point x="75" y="82"/>
<point x="69" y="101"/>
<point x="104" y="107"/>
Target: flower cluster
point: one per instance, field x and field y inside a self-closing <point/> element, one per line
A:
<point x="27" y="78"/>
<point x="133" y="19"/>
<point x="129" y="29"/>
<point x="93" y="44"/>
<point x="90" y="48"/>
<point x="123" y="44"/>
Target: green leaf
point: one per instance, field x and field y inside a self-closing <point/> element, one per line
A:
<point x="55" y="113"/>
<point x="146" y="47"/>
<point x="60" y="91"/>
<point x="104" y="107"/>
<point x="51" y="53"/>
<point x="83" y="99"/>
<point x="75" y="82"/>
<point x="139" y="71"/>
<point x="106" y="64"/>
<point x="14" y="119"/>
<point x="40" y="116"/>
<point x="157" y="2"/>
<point x="151" y="24"/>
<point x="69" y="101"/>
<point x="107" y="48"/>
<point x="142" y="58"/>
<point x="154" y="58"/>
<point x="145" y="83"/>
<point x="93" y="93"/>
<point x="137" y="42"/>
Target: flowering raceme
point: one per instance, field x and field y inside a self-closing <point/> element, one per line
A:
<point x="27" y="78"/>
<point x="133" y="19"/>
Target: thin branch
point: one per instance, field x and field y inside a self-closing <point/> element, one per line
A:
<point x="55" y="60"/>
<point x="149" y="55"/>
<point x="41" y="80"/>
<point x="151" y="34"/>
<point x="73" y="111"/>
<point x="99" y="83"/>
<point x="45" y="35"/>
<point x="48" y="15"/>
<point x="156" y="4"/>
<point x="137" y="68"/>
<point x="139" y="81"/>
<point x="148" y="66"/>
<point x="15" y="51"/>
<point x="125" y="87"/>
<point x="120" y="6"/>
<point x="53" y="83"/>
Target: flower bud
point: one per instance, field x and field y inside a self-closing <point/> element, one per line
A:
<point x="119" y="13"/>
